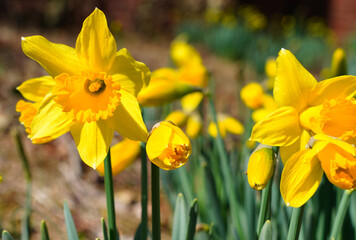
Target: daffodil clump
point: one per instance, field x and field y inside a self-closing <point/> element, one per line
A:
<point x="323" y="110"/>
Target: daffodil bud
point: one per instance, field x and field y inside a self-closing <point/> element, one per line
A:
<point x="261" y="167"/>
<point x="122" y="155"/>
<point x="164" y="87"/>
<point x="167" y="146"/>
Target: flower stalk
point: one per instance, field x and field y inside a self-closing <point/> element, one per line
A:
<point x="110" y="203"/>
<point x="156" y="214"/>
<point x="144" y="192"/>
<point x="340" y="215"/>
<point x="295" y="223"/>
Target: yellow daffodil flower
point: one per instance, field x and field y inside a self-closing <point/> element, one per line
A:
<point x="260" y="167"/>
<point x="299" y="97"/>
<point x="122" y="156"/>
<point x="167" y="146"/>
<point x="226" y="124"/>
<point x="303" y="171"/>
<point x="94" y="93"/>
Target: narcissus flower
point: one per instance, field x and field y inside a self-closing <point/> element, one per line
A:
<point x="260" y="167"/>
<point x="226" y="124"/>
<point x="94" y="92"/>
<point x="299" y="98"/>
<point x="167" y="146"/>
<point x="303" y="171"/>
<point x="122" y="155"/>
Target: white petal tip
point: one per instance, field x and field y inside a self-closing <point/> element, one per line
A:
<point x="288" y="204"/>
<point x="23" y="39"/>
<point x="282" y="49"/>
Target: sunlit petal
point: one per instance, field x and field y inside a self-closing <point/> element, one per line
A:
<point x="50" y="120"/>
<point x="96" y="46"/>
<point x="54" y="58"/>
<point x="301" y="177"/>
<point x="36" y="89"/>
<point x="338" y="87"/>
<point x="131" y="74"/>
<point x="127" y="119"/>
<point x="280" y="128"/>
<point x="293" y="82"/>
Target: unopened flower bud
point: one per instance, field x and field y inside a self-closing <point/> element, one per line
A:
<point x="261" y="167"/>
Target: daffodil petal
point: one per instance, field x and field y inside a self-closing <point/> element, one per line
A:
<point x="335" y="141"/>
<point x="132" y="75"/>
<point x="54" y="58"/>
<point x="127" y="119"/>
<point x="338" y="87"/>
<point x="300" y="178"/>
<point x="191" y="101"/>
<point x="280" y="128"/>
<point x="36" y="89"/>
<point x="300" y="144"/>
<point x="293" y="82"/>
<point x="93" y="141"/>
<point x="50" y="121"/>
<point x="96" y="46"/>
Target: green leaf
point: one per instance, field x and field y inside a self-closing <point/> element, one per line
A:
<point x="192" y="219"/>
<point x="105" y="229"/>
<point x="6" y="235"/>
<point x="44" y="231"/>
<point x="70" y="227"/>
<point x="180" y="219"/>
<point x="266" y="231"/>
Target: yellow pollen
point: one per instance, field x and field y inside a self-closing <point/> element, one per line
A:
<point x="176" y="154"/>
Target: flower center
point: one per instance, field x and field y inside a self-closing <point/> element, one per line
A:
<point x="175" y="155"/>
<point x="96" y="86"/>
<point x="90" y="96"/>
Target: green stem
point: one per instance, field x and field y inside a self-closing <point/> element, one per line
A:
<point x="110" y="204"/>
<point x="295" y="223"/>
<point x="25" y="224"/>
<point x="144" y="192"/>
<point x="156" y="218"/>
<point x="340" y="215"/>
<point x="227" y="175"/>
<point x="265" y="206"/>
